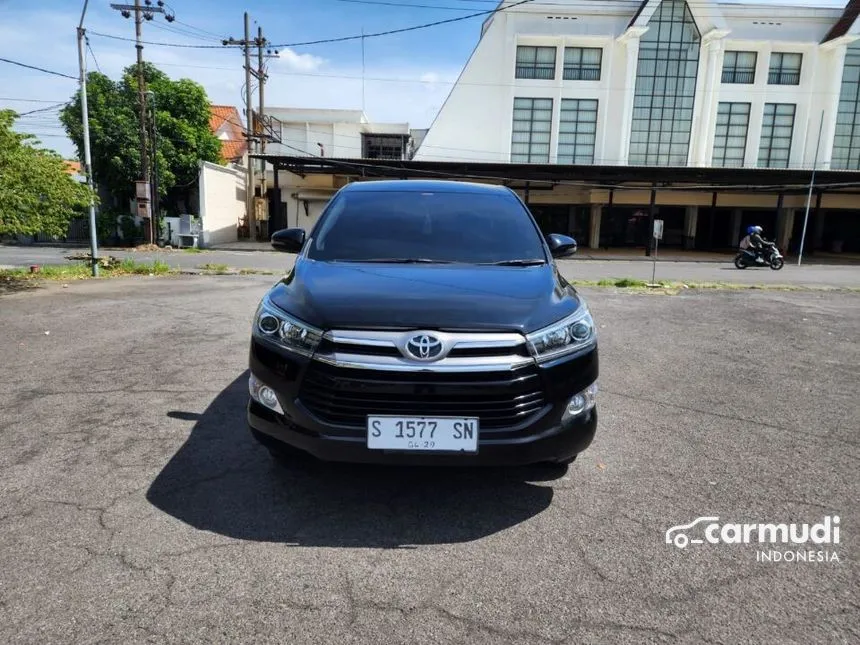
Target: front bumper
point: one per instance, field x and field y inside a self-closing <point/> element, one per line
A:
<point x="553" y="444"/>
<point x="539" y="437"/>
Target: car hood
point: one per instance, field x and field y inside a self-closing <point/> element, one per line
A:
<point x="333" y="295"/>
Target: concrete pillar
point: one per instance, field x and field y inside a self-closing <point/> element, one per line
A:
<point x="594" y="226"/>
<point x="818" y="236"/>
<point x="630" y="39"/>
<point x="784" y="228"/>
<point x="691" y="221"/>
<point x="712" y="49"/>
<point x="834" y="55"/>
<point x="736" y="227"/>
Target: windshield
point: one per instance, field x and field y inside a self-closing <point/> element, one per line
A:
<point x="463" y="227"/>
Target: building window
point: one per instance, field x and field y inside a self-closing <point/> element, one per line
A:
<point x="730" y="139"/>
<point x="383" y="146"/>
<point x="531" y="130"/>
<point x="577" y="131"/>
<point x="536" y="62"/>
<point x="846" y="143"/>
<point x="739" y="67"/>
<point x="665" y="87"/>
<point x="777" y="128"/>
<point x="784" y="69"/>
<point x="582" y="63"/>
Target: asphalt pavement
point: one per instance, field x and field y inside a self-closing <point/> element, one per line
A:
<point x="135" y="507"/>
<point x="809" y="275"/>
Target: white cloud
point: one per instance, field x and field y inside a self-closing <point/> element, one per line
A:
<point x="393" y="92"/>
<point x="300" y="62"/>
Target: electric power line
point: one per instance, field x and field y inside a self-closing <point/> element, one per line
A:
<point x="38" y="69"/>
<point x="44" y="109"/>
<point x="93" y="54"/>
<point x="330" y="40"/>
<point x="23" y="100"/>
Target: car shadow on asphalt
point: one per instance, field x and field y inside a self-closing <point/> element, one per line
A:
<point x="222" y="481"/>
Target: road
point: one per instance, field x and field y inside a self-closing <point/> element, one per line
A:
<point x="837" y="276"/>
<point x="135" y="507"/>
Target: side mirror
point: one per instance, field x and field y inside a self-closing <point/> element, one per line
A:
<point x="561" y="245"/>
<point x="289" y="240"/>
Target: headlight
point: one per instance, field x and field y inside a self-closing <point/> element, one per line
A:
<point x="564" y="337"/>
<point x="288" y="332"/>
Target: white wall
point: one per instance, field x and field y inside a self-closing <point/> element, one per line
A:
<point x="222" y="202"/>
<point x="339" y="131"/>
<point x="475" y="122"/>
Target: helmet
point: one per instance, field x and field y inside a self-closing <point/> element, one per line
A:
<point x="756" y="229"/>
<point x="750" y="230"/>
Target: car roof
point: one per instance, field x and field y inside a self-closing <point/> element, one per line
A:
<point x="425" y="185"/>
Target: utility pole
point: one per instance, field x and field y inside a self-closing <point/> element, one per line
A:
<point x="88" y="164"/>
<point x="142" y="13"/>
<point x="261" y="81"/>
<point x="154" y="138"/>
<point x="251" y="128"/>
<point x="249" y="109"/>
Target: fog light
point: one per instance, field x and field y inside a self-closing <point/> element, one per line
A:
<point x="268" y="398"/>
<point x="264" y="394"/>
<point x="577" y="405"/>
<point x="580" y="403"/>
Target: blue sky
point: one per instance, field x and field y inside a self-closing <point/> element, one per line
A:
<point x="407" y="75"/>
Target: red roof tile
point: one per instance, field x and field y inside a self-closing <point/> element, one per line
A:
<point x="73" y="167"/>
<point x="234" y="147"/>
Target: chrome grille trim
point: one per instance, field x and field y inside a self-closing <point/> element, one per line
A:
<point x="503" y="351"/>
<point x="399" y="364"/>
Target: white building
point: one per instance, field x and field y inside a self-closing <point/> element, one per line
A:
<point x="327" y="133"/>
<point x="664" y="83"/>
<point x="658" y="83"/>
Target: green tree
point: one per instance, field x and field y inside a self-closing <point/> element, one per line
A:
<point x="37" y="195"/>
<point x="182" y="123"/>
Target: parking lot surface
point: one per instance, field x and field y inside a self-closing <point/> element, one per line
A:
<point x="135" y="507"/>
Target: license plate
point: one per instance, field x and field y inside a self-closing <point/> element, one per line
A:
<point x="432" y="434"/>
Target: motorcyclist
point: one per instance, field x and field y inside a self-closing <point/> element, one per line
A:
<point x="757" y="244"/>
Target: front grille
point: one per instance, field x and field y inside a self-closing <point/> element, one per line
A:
<point x="346" y="396"/>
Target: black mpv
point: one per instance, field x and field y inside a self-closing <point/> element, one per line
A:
<point x="424" y="322"/>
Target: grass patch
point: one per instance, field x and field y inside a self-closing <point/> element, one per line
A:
<point x="192" y="249"/>
<point x="255" y="272"/>
<point x="214" y="267"/>
<point x="673" y="287"/>
<point x="82" y="271"/>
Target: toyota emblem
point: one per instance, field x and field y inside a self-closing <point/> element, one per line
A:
<point x="424" y="347"/>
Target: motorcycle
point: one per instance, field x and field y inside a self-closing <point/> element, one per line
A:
<point x="770" y="256"/>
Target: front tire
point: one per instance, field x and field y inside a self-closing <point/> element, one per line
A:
<point x="777" y="263"/>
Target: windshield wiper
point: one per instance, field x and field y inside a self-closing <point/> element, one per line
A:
<point x="402" y="261"/>
<point x="515" y="263"/>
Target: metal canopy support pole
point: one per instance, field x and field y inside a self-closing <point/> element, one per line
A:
<point x="809" y="196"/>
<point x="88" y="164"/>
<point x="711" y="222"/>
<point x="610" y="214"/>
<point x="277" y="195"/>
<point x="651" y="221"/>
